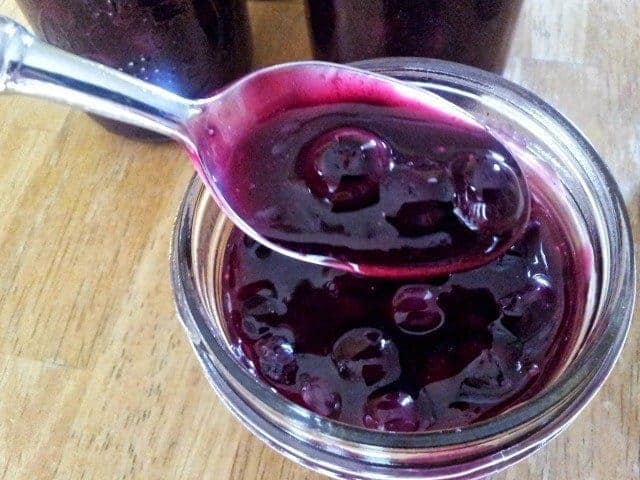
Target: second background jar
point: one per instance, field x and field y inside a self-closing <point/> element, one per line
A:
<point x="473" y="32"/>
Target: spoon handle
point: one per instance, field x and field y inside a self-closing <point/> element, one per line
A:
<point x="31" y="67"/>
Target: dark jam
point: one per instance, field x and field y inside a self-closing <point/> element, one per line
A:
<point x="190" y="47"/>
<point x="331" y="164"/>
<point x="386" y="190"/>
<point x="474" y="32"/>
<point x="407" y="356"/>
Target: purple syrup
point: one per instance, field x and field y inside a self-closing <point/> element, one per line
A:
<point x="374" y="180"/>
<point x="407" y="356"/>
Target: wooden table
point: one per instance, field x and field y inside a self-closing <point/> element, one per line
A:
<point x="97" y="380"/>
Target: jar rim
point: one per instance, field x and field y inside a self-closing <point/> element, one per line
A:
<point x="579" y="385"/>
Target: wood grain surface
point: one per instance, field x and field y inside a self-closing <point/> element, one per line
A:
<point x="97" y="380"/>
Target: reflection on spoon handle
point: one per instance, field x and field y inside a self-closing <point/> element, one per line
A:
<point x="32" y="67"/>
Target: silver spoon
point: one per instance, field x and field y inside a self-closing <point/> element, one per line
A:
<point x="213" y="129"/>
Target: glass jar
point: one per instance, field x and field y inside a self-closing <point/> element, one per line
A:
<point x="190" y="47"/>
<point x="581" y="183"/>
<point x="473" y="32"/>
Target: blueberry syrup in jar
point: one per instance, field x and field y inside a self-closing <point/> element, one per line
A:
<point x="407" y="356"/>
<point x="473" y="32"/>
<point x="397" y="352"/>
<point x="190" y="47"/>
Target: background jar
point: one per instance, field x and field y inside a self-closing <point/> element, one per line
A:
<point x="578" y="176"/>
<point x="473" y="32"/>
<point x="190" y="47"/>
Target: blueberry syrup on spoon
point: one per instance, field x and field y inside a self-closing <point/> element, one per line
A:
<point x="375" y="180"/>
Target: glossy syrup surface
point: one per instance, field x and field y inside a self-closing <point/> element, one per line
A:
<point x="413" y="355"/>
<point x="377" y="184"/>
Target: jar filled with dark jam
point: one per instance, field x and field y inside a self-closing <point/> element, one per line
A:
<point x="473" y="32"/>
<point x="190" y="47"/>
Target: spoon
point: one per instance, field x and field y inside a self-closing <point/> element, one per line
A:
<point x="293" y="154"/>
